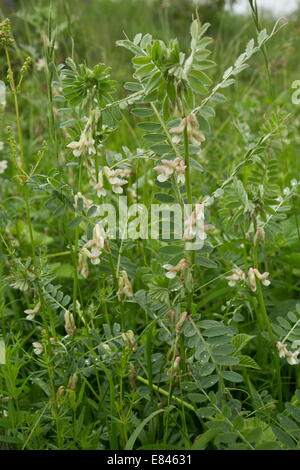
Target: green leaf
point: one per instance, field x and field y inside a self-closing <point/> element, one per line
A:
<point x="202" y="442"/>
<point x="283" y="437"/>
<point x="196" y="165"/>
<point x="142" y="112"/>
<point x="232" y="376"/>
<point x="165" y="198"/>
<point x="247" y="361"/>
<point x="155" y="137"/>
<point x="75" y="222"/>
<point x="206" y="262"/>
<point x="149" y="126"/>
<point x="226" y="360"/>
<point x="240" y="341"/>
<point x="131" y="441"/>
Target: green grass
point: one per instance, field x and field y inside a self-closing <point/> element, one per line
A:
<point x="122" y="366"/>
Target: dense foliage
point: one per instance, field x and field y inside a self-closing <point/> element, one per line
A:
<point x="132" y="342"/>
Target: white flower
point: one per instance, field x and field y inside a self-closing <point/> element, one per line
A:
<point x="254" y="272"/>
<point x="99" y="185"/>
<point x="125" y="286"/>
<point x="194" y="134"/>
<point x="83" y="144"/>
<point x="83" y="267"/>
<point x="168" y="167"/>
<point x="237" y="275"/>
<point x="32" y="312"/>
<point x="93" y="248"/>
<point x="70" y="326"/>
<point x="281" y="349"/>
<point x="115" y="178"/>
<point x="291" y="356"/>
<point x="37" y="348"/>
<point x="173" y="270"/>
<point x="3" y="166"/>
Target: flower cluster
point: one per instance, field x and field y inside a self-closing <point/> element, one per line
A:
<point x="31" y="312"/>
<point x="125" y="287"/>
<point x="70" y="326"/>
<point x="98" y="186"/>
<point x="253" y="273"/>
<point x="237" y="275"/>
<point x="291" y="357"/>
<point x="191" y="124"/>
<point x="86" y="142"/>
<point x="169" y="167"/>
<point x="93" y="248"/>
<point x="116" y="178"/>
<point x="172" y="271"/>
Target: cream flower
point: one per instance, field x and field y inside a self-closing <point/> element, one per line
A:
<point x="291" y="356"/>
<point x="173" y="270"/>
<point x="32" y="312"/>
<point x="125" y="286"/>
<point x="37" y="348"/>
<point x="194" y="134"/>
<point x="83" y="267"/>
<point x="237" y="275"/>
<point x="115" y="178"/>
<point x="99" y="185"/>
<point x="169" y="167"/>
<point x="82" y="145"/>
<point x="253" y="273"/>
<point x="93" y="248"/>
<point x="70" y="326"/>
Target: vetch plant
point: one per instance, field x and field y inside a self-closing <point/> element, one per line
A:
<point x="149" y="235"/>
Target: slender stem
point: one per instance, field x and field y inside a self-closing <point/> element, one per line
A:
<point x="166" y="394"/>
<point x="266" y="321"/>
<point x="190" y="201"/>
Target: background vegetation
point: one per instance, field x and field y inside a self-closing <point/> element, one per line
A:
<point x="108" y="376"/>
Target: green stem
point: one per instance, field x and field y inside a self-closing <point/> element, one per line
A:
<point x="265" y="319"/>
<point x="190" y="201"/>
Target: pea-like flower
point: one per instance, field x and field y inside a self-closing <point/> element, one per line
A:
<point x="99" y="188"/>
<point x="37" y="348"/>
<point x="93" y="248"/>
<point x="84" y="144"/>
<point x="31" y="312"/>
<point x="125" y="286"/>
<point x="291" y="356"/>
<point x="116" y="178"/>
<point x="254" y="273"/>
<point x="172" y="271"/>
<point x="70" y="326"/>
<point x="236" y="276"/>
<point x="195" y="136"/>
<point x="169" y="167"/>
